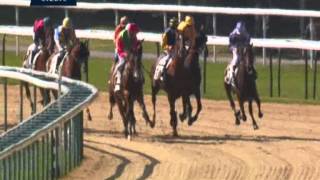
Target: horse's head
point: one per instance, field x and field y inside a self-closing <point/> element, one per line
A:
<point x="136" y="61"/>
<point x="201" y="40"/>
<point x="81" y="51"/>
<point x="247" y="57"/>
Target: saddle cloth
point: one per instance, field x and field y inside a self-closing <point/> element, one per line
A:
<point x="229" y="76"/>
<point x="53" y="65"/>
<point x="160" y="67"/>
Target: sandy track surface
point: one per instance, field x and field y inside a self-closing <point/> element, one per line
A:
<point x="287" y="145"/>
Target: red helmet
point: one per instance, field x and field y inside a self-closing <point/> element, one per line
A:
<point x="132" y="28"/>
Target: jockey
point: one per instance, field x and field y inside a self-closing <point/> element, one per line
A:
<point x="119" y="28"/>
<point x="183" y="25"/>
<point x="64" y="37"/>
<point x="168" y="44"/>
<point x="125" y="43"/>
<point x="40" y="27"/>
<point x="239" y="37"/>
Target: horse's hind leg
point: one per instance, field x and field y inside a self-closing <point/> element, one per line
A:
<point x="232" y="104"/>
<point x="144" y="111"/>
<point x="26" y="85"/>
<point x="184" y="113"/>
<point x="257" y="99"/>
<point x="155" y="90"/>
<point x="88" y="114"/>
<point x="173" y="115"/>
<point x="254" y="123"/>
<point x="111" y="102"/>
<point x="45" y="96"/>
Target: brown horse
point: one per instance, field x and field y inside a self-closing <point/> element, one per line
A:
<point x="71" y="65"/>
<point x="183" y="78"/>
<point x="131" y="90"/>
<point x="39" y="64"/>
<point x="245" y="89"/>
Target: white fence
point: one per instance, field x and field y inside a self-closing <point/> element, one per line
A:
<point x="156" y="37"/>
<point x="215" y="40"/>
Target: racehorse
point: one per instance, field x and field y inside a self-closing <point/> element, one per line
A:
<point x="39" y="63"/>
<point x="183" y="77"/>
<point x="71" y="65"/>
<point x="131" y="90"/>
<point x="245" y="86"/>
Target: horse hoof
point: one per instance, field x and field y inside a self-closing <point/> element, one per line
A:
<point x="182" y="117"/>
<point x="237" y="122"/>
<point x="175" y="134"/>
<point x="260" y="115"/>
<point x="152" y="124"/>
<point x="110" y="116"/>
<point x="255" y="127"/>
<point x="129" y="137"/>
<point x="244" y="118"/>
<point x="191" y="121"/>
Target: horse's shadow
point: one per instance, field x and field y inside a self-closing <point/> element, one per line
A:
<point x="210" y="139"/>
<point x="222" y="139"/>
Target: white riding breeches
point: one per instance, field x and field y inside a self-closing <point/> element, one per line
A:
<point x="235" y="58"/>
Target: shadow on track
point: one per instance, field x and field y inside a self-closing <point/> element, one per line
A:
<point x="148" y="169"/>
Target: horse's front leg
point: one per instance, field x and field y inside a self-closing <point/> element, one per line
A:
<point x="241" y="105"/>
<point x="185" y="107"/>
<point x="232" y="104"/>
<point x="111" y="103"/>
<point x="257" y="99"/>
<point x="254" y="123"/>
<point x="26" y="85"/>
<point x="173" y="115"/>
<point x="199" y="107"/>
<point x="144" y="110"/>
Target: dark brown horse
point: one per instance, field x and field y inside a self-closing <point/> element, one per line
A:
<point x="71" y="65"/>
<point x="131" y="90"/>
<point x="245" y="88"/>
<point x="39" y="64"/>
<point x="183" y="78"/>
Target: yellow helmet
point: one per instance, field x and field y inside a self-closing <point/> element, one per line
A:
<point x="66" y="23"/>
<point x="189" y="20"/>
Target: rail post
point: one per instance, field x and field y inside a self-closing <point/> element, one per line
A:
<point x="21" y="101"/>
<point x="165" y="21"/>
<point x="116" y="18"/>
<point x="271" y="73"/>
<point x="279" y="72"/>
<point x="305" y="74"/>
<point x="5" y="84"/>
<point x="214" y="26"/>
<point x="315" y="76"/>
<point x="17" y="24"/>
<point x="265" y="20"/>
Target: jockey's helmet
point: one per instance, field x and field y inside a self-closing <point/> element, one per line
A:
<point x="47" y="21"/>
<point x="66" y="23"/>
<point x="132" y="28"/>
<point x="173" y="22"/>
<point x="189" y="20"/>
<point x="124" y="20"/>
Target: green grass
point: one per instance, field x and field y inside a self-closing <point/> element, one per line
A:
<point x="292" y="80"/>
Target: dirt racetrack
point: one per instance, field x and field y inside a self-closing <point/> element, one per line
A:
<point x="287" y="145"/>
